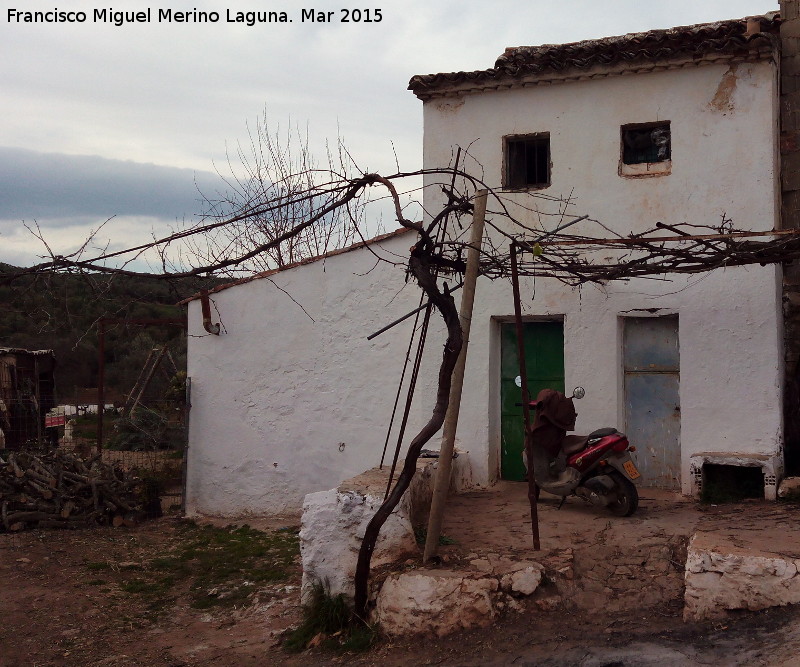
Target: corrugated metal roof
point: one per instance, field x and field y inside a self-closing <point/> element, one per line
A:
<point x="747" y="38"/>
<point x="19" y="350"/>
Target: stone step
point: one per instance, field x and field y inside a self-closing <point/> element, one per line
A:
<point x="724" y="574"/>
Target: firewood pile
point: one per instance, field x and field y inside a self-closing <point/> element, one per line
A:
<point x="61" y="490"/>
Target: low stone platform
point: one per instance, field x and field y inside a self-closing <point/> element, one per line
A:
<point x="744" y="556"/>
<point x="740" y="556"/>
<point x="639" y="562"/>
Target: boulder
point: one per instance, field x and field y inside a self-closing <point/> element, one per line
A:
<point x="789" y="488"/>
<point x="435" y="602"/>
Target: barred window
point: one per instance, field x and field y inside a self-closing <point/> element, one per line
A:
<point x="526" y="161"/>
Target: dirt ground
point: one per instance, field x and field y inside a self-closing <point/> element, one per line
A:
<point x="620" y="589"/>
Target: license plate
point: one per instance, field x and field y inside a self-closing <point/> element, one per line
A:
<point x="630" y="468"/>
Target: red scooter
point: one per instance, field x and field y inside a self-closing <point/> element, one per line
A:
<point x="596" y="467"/>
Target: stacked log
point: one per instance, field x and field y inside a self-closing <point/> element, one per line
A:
<point x="61" y="490"/>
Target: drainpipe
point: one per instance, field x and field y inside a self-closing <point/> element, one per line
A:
<point x="206" y="305"/>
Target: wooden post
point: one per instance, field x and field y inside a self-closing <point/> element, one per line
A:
<point x="442" y="483"/>
<point x="523" y="376"/>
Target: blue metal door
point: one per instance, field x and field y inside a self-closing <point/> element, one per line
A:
<point x="651" y="360"/>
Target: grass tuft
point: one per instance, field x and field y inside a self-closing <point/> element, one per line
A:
<point x="421" y="535"/>
<point x="330" y="624"/>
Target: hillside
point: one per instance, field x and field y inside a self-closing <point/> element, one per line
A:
<point x="60" y="312"/>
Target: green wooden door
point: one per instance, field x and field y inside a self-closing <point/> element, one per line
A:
<point x="544" y="358"/>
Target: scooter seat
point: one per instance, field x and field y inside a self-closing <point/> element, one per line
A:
<point x="602" y="432"/>
<point x="573" y="444"/>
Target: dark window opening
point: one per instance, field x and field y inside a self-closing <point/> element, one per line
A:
<point x="730" y="484"/>
<point x="527" y="161"/>
<point x="646" y="143"/>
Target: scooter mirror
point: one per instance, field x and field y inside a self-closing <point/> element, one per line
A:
<point x="578" y="392"/>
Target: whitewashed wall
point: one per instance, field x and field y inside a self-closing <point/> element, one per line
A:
<point x="724" y="161"/>
<point x="275" y="395"/>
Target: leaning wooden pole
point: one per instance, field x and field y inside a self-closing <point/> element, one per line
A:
<point x="526" y="413"/>
<point x="442" y="482"/>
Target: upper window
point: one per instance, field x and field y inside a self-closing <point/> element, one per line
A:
<point x="646" y="149"/>
<point x="527" y="161"/>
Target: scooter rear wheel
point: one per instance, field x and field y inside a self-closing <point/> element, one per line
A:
<point x="627" y="500"/>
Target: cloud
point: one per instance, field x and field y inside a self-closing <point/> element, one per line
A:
<point x="20" y="246"/>
<point x="181" y="94"/>
<point x="52" y="187"/>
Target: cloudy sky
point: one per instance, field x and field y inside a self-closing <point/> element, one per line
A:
<point x="135" y="121"/>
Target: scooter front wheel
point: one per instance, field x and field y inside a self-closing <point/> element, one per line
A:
<point x="627" y="500"/>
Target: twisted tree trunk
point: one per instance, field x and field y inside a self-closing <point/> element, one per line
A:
<point x="422" y="269"/>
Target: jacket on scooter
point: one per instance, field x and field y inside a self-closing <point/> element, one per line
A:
<point x="552" y="407"/>
<point x="555" y="415"/>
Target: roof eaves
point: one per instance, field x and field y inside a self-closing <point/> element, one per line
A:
<point x="302" y="262"/>
<point x="747" y="38"/>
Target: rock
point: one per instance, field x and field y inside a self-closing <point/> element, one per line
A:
<point x="334" y="521"/>
<point x="435" y="602"/>
<point x="524" y="581"/>
<point x="514" y="605"/>
<point x="720" y="577"/>
<point x="332" y="528"/>
<point x="482" y="565"/>
<point x="550" y="603"/>
<point x="789" y="488"/>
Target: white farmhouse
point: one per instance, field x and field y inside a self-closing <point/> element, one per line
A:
<point x="673" y="126"/>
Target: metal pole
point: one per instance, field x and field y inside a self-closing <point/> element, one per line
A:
<point x="38" y="394"/>
<point x="101" y="380"/>
<point x="409" y="314"/>
<point x="523" y="375"/>
<point x="442" y="484"/>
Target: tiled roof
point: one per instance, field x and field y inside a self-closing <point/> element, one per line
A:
<point x="747" y="38"/>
